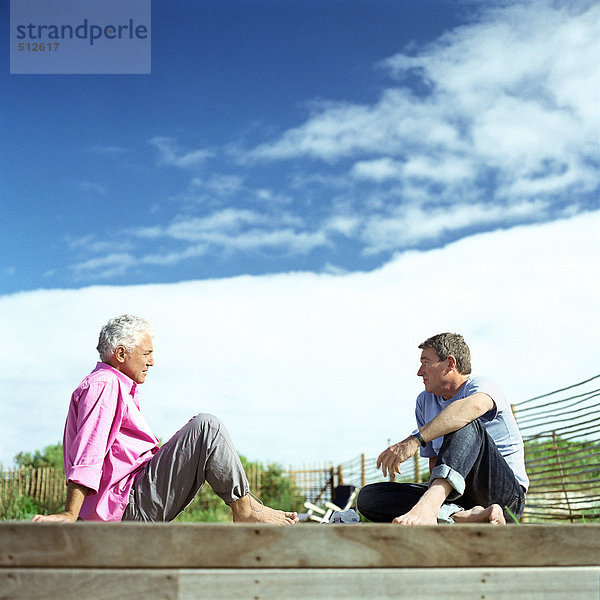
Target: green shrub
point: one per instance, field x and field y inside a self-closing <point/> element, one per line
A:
<point x="16" y="507"/>
<point x="276" y="490"/>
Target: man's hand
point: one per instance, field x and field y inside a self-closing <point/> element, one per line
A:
<point x="76" y="494"/>
<point x="65" y="517"/>
<point x="391" y="458"/>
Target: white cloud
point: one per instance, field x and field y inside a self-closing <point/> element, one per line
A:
<point x="288" y="240"/>
<point x="346" y="130"/>
<point x="503" y="129"/>
<point x="172" y="155"/>
<point x="307" y="367"/>
<point x="379" y="169"/>
<point x="221" y="185"/>
<point x="345" y="225"/>
<point x="513" y="99"/>
<point x="91" y="244"/>
<point x="174" y="258"/>
<point x="411" y="224"/>
<point x="229" y="219"/>
<point x="114" y="264"/>
<point x="285" y="241"/>
<point x="234" y="229"/>
<point x="225" y="231"/>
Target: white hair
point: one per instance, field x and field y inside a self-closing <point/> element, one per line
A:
<point x="126" y="331"/>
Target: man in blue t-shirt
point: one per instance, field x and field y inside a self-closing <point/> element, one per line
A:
<point x="467" y="430"/>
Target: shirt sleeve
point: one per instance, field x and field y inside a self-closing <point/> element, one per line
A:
<point x="485" y="386"/>
<point x="99" y="413"/>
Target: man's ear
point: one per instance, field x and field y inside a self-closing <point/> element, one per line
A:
<point x="451" y="362"/>
<point x="120" y="354"/>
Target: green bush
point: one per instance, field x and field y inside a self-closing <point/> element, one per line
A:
<point x="50" y="456"/>
<point x="16" y="507"/>
<point x="276" y="490"/>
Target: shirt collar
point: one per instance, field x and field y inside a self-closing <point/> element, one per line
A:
<point x="127" y="382"/>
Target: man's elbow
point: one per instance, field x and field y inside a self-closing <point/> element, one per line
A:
<point x="481" y="404"/>
<point x="86" y="491"/>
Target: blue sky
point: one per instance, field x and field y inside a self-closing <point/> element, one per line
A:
<point x="298" y="135"/>
<point x="297" y="196"/>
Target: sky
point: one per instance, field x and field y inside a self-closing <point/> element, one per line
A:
<point x="297" y="195"/>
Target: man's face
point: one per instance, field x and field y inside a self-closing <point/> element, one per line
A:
<point x="433" y="371"/>
<point x="135" y="364"/>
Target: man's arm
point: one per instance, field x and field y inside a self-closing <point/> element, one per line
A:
<point x="456" y="415"/>
<point x="75" y="496"/>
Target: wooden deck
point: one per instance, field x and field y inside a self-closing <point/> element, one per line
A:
<point x="196" y="561"/>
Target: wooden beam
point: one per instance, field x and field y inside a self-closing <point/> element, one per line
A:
<point x="575" y="583"/>
<point x="207" y="545"/>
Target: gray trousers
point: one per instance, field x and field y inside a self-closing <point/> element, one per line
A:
<point x="200" y="451"/>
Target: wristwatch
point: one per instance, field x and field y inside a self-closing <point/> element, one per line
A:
<point x="417" y="434"/>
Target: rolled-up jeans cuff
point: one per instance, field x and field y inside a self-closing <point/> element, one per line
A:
<point x="454" y="478"/>
<point x="446" y="512"/>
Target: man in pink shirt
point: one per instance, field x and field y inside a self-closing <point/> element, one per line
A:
<point x="114" y="467"/>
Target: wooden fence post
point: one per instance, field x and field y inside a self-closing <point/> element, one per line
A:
<point x="340" y="474"/>
<point x="36" y="483"/>
<point x="363" y="471"/>
<point x="332" y="481"/>
<point x="562" y="475"/>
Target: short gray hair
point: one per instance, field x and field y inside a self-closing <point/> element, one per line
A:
<point x="126" y="331"/>
<point x="451" y="344"/>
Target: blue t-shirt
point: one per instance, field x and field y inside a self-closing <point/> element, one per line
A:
<point x="499" y="422"/>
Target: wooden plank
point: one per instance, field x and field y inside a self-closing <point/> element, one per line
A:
<point x="575" y="583"/>
<point x="98" y="584"/>
<point x="208" y="545"/>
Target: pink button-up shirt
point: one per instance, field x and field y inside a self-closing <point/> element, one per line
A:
<point x="106" y="441"/>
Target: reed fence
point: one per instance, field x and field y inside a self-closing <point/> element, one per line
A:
<point x="45" y="485"/>
<point x="562" y="456"/>
<point x="317" y="482"/>
<point x="562" y="452"/>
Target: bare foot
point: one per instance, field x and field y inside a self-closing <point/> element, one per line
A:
<point x="426" y="510"/>
<point x="417" y="516"/>
<point x="248" y="510"/>
<point x="492" y="514"/>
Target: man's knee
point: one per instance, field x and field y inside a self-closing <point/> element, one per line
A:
<point x="205" y="421"/>
<point x="468" y="435"/>
<point x="212" y="432"/>
<point x="366" y="500"/>
<point x="374" y="496"/>
<point x="365" y="497"/>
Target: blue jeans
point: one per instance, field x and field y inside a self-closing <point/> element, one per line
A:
<point x="470" y="461"/>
